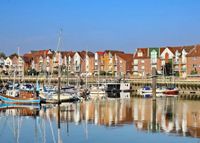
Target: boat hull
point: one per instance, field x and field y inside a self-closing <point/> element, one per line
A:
<point x="171" y="92"/>
<point x="17" y="100"/>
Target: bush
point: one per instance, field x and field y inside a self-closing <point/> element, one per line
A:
<point x="194" y="72"/>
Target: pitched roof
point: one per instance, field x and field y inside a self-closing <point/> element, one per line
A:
<point x="83" y="54"/>
<point x="195" y="52"/>
<point x="128" y="58"/>
<point x="113" y="52"/>
<point x="173" y="49"/>
<point x="67" y="53"/>
<point x="144" y="53"/>
<point x="100" y="53"/>
<point x="41" y="52"/>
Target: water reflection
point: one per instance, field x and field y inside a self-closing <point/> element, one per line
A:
<point x="48" y="122"/>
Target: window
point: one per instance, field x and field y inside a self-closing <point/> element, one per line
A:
<point x="135" y="62"/>
<point x="142" y="67"/>
<point x="140" y="54"/>
<point x="163" y="62"/>
<point x="142" y="61"/>
<point x="153" y="56"/>
<point x="194" y="58"/>
<point x="135" y="68"/>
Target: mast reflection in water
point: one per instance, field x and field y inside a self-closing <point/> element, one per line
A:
<point x="110" y="120"/>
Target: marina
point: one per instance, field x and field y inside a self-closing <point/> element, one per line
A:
<point x="107" y="71"/>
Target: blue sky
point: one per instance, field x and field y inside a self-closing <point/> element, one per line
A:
<point x="98" y="24"/>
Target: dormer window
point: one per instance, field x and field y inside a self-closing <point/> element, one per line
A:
<point x="140" y="54"/>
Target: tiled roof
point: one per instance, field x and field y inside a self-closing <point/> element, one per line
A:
<point x="129" y="60"/>
<point x="83" y="54"/>
<point x="100" y="53"/>
<point x="188" y="48"/>
<point x="179" y="48"/>
<point x="126" y="57"/>
<point x="144" y="53"/>
<point x="113" y="52"/>
<point x="195" y="52"/>
<point x="41" y="52"/>
<point x="67" y="53"/>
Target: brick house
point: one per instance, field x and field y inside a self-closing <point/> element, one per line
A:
<point x="109" y="61"/>
<point x="124" y="64"/>
<point x="141" y="63"/>
<point x="180" y="60"/>
<point x="83" y="62"/>
<point x="98" y="63"/>
<point x="193" y="61"/>
<point x="67" y="61"/>
<point x="40" y="61"/>
<point x="17" y="65"/>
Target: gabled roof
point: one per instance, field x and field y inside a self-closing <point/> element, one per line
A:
<point x="177" y="48"/>
<point x="100" y="53"/>
<point x="67" y="53"/>
<point x="144" y="53"/>
<point x="35" y="54"/>
<point x="188" y="48"/>
<point x="83" y="54"/>
<point x="113" y="52"/>
<point x="42" y="53"/>
<point x="126" y="57"/>
<point x="195" y="52"/>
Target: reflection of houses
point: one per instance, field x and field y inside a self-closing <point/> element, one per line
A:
<point x="181" y="118"/>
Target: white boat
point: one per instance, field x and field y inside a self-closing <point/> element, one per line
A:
<point x="147" y="91"/>
<point x="97" y="93"/>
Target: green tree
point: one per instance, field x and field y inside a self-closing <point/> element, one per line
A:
<point x="2" y="55"/>
<point x="13" y="55"/>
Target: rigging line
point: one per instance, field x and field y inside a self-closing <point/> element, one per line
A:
<point x="51" y="129"/>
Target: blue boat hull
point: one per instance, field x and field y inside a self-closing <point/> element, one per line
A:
<point x="16" y="100"/>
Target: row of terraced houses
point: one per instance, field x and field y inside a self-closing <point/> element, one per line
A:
<point x="183" y="61"/>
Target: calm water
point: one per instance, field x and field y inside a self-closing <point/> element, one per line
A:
<point x="111" y="120"/>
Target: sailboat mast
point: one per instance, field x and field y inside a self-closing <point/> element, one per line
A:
<point x="59" y="65"/>
<point x="68" y="69"/>
<point x="86" y="68"/>
<point x="98" y="71"/>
